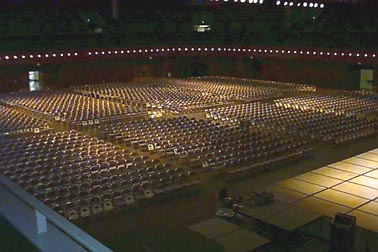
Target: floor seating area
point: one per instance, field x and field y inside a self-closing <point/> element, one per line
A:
<point x="361" y="94"/>
<point x="233" y="90"/>
<point x="283" y="86"/>
<point x="172" y="98"/>
<point x="294" y="120"/>
<point x="237" y="127"/>
<point x="147" y="94"/>
<point x="180" y="96"/>
<point x="78" y="175"/>
<point x="14" y="122"/>
<point x="64" y="106"/>
<point x="331" y="104"/>
<point x="201" y="143"/>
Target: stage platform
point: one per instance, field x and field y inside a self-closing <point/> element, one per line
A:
<point x="292" y="218"/>
<point x="349" y="186"/>
<point x="281" y="215"/>
<point x="232" y="237"/>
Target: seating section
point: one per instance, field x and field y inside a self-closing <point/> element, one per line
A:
<point x="361" y="94"/>
<point x="283" y="86"/>
<point x="297" y="120"/>
<point x="331" y="104"/>
<point x="180" y="96"/>
<point x="167" y="96"/>
<point x="200" y="143"/>
<point x="78" y="175"/>
<point x="155" y="137"/>
<point x="14" y="122"/>
<point x="70" y="107"/>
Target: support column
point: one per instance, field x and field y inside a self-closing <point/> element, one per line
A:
<point x="41" y="222"/>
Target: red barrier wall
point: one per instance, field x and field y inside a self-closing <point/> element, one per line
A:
<point x="321" y="73"/>
<point x="340" y="75"/>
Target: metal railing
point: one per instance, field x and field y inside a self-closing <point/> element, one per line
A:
<point x="45" y="228"/>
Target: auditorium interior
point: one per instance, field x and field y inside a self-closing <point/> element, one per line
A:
<point x="189" y="125"/>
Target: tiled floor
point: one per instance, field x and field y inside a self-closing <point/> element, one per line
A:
<point x="300" y="186"/>
<point x="368" y="156"/>
<point x="341" y="198"/>
<point x="366" y="181"/>
<point x="362" y="162"/>
<point x="365" y="220"/>
<point x="350" y="167"/>
<point x="374" y="151"/>
<point x="335" y="173"/>
<point x="349" y="186"/>
<point x="373" y="174"/>
<point x="286" y="195"/>
<point x="371" y="208"/>
<point x="318" y="179"/>
<point x="358" y="190"/>
<point x="323" y="207"/>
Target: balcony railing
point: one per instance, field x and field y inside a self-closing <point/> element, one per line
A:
<point x="45" y="228"/>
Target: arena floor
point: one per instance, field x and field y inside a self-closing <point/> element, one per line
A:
<point x="161" y="223"/>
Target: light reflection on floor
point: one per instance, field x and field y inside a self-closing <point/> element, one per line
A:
<point x="349" y="186"/>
